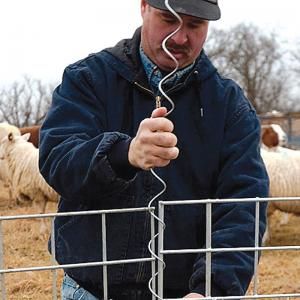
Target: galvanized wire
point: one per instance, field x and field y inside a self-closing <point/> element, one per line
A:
<point x="208" y="250"/>
<point x="158" y="294"/>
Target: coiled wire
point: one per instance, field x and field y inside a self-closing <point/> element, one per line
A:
<point x="152" y="280"/>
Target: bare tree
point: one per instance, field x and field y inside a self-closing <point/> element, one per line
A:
<point x="255" y="60"/>
<point x="25" y="103"/>
<point x="294" y="64"/>
<point x="295" y="59"/>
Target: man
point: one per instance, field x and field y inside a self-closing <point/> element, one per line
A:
<point x="98" y="143"/>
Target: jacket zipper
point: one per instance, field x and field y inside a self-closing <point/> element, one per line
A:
<point x="141" y="266"/>
<point x="157" y="98"/>
<point x="158" y="101"/>
<point x="143" y="88"/>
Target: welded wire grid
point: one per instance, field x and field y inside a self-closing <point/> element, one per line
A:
<point x="156" y="266"/>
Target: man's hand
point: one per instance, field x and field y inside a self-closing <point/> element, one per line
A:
<point x="154" y="144"/>
<point x="194" y="295"/>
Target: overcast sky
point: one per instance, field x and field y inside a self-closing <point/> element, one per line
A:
<point x="39" y="38"/>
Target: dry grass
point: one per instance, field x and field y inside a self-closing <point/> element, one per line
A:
<point x="279" y="271"/>
<point x="24" y="246"/>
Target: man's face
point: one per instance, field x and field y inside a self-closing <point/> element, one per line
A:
<point x="185" y="45"/>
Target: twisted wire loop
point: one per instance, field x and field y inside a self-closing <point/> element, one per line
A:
<point x="151" y="244"/>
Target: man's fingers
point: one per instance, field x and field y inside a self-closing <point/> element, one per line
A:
<point x="157" y="124"/>
<point x="154" y="144"/>
<point x="162" y="160"/>
<point x="164" y="153"/>
<point x="159" y="112"/>
<point x="164" y="139"/>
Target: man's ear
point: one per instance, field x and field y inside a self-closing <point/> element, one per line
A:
<point x="143" y="6"/>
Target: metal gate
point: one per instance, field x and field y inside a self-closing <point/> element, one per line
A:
<point x="157" y="265"/>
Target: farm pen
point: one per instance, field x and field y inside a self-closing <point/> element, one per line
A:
<point x="208" y="250"/>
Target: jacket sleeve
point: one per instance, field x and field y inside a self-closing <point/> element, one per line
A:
<point x="75" y="145"/>
<point x="241" y="175"/>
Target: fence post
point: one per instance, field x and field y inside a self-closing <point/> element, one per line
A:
<point x="257" y="214"/>
<point x="2" y="276"/>
<point x="208" y="251"/>
<point x="153" y="263"/>
<point x="104" y="258"/>
<point x="161" y="264"/>
<point x="53" y="261"/>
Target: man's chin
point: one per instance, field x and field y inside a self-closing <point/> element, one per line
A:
<point x="179" y="56"/>
<point x="170" y="66"/>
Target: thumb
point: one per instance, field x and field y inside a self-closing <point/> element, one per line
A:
<point x="159" y="112"/>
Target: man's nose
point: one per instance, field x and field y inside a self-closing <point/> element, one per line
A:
<point x="180" y="37"/>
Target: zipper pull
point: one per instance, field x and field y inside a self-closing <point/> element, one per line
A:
<point x="157" y="102"/>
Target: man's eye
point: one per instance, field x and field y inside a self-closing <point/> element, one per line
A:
<point x="193" y="25"/>
<point x="170" y="21"/>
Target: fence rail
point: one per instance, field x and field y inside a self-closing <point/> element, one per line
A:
<point x="156" y="267"/>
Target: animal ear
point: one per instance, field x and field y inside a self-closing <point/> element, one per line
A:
<point x="11" y="137"/>
<point x="26" y="136"/>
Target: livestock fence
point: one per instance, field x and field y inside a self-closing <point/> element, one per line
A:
<point x="156" y="258"/>
<point x="290" y="123"/>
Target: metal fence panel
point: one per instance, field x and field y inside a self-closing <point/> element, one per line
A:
<point x="208" y="250"/>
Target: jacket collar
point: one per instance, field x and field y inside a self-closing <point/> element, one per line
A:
<point x="127" y="52"/>
<point x="154" y="74"/>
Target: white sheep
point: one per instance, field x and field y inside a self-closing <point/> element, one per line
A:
<point x="34" y="130"/>
<point x="24" y="178"/>
<point x="5" y="129"/>
<point x="283" y="167"/>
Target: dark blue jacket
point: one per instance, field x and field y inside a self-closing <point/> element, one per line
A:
<point x="83" y="154"/>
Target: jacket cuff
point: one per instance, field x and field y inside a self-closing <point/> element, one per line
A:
<point x="118" y="158"/>
<point x="215" y="290"/>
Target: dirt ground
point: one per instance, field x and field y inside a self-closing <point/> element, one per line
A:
<point x="24" y="246"/>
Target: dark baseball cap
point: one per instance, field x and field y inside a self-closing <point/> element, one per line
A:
<point x="204" y="9"/>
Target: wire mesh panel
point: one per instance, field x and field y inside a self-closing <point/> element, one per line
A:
<point x="253" y="293"/>
<point x="53" y="266"/>
<point x="208" y="250"/>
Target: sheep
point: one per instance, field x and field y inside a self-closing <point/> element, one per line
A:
<point x="281" y="163"/>
<point x="5" y="129"/>
<point x="283" y="167"/>
<point x="24" y="178"/>
<point x="34" y="131"/>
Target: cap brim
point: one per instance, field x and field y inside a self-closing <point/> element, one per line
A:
<point x="197" y="8"/>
